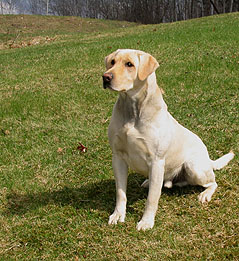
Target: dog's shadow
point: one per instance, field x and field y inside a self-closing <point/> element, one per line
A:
<point x="99" y="195"/>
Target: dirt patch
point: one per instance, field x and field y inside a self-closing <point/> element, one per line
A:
<point x="27" y="42"/>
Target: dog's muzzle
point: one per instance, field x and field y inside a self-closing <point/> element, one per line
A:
<point x="107" y="78"/>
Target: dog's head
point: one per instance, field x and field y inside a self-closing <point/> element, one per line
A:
<point x="127" y="68"/>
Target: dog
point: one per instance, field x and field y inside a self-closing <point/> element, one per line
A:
<point x="145" y="137"/>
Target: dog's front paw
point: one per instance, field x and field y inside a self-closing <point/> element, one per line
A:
<point x="145" y="224"/>
<point x="115" y="217"/>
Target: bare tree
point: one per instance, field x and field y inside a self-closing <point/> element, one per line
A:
<point x="1" y="5"/>
<point x="8" y="6"/>
<point x="231" y="6"/>
<point x="213" y="7"/>
<point x="143" y="11"/>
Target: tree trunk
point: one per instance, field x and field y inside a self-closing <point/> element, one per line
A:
<point x="213" y="5"/>
<point x="224" y="6"/>
<point x="47" y="7"/>
<point x="202" y="8"/>
<point x="231" y="6"/>
<point x="175" y="11"/>
<point x="1" y="8"/>
<point x="192" y="9"/>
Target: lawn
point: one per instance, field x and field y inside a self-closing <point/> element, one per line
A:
<point x="55" y="199"/>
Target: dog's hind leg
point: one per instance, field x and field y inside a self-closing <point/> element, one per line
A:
<point x="145" y="184"/>
<point x="181" y="184"/>
<point x="211" y="186"/>
<point x="206" y="195"/>
<point x="167" y="184"/>
<point x="202" y="175"/>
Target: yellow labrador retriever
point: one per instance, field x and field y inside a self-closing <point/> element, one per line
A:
<point x="146" y="138"/>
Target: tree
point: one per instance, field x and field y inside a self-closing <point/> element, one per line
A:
<point x="231" y="6"/>
<point x="8" y="6"/>
<point x="143" y="11"/>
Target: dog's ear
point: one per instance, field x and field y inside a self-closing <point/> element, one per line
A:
<point x="147" y="65"/>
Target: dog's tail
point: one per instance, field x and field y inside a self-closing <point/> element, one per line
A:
<point x="223" y="161"/>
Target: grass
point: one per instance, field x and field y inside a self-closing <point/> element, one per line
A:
<point x="25" y="30"/>
<point x="54" y="199"/>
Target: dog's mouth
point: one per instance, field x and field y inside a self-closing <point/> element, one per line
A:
<point x="107" y="85"/>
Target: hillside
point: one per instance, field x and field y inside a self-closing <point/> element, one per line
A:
<point x="55" y="199"/>
<point x="23" y="30"/>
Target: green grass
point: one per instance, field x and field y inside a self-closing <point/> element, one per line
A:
<point x="54" y="199"/>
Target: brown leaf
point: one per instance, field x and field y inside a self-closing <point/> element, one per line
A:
<point x="6" y="132"/>
<point x="81" y="147"/>
<point x="59" y="150"/>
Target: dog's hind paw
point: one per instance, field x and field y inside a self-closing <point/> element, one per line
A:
<point x="145" y="224"/>
<point x="115" y="217"/>
<point x="204" y="197"/>
<point x="168" y="184"/>
<point x="145" y="184"/>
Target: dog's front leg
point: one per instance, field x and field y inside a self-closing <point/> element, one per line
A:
<point x="156" y="176"/>
<point x="120" y="169"/>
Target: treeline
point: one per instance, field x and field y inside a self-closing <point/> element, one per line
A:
<point x="142" y="11"/>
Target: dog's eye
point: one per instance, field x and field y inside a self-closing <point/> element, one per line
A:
<point x="112" y="62"/>
<point x="129" y="64"/>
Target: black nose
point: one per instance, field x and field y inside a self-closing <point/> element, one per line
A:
<point x="107" y="77"/>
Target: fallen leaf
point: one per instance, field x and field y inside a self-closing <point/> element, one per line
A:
<point x="81" y="147"/>
<point x="59" y="150"/>
<point x="6" y="132"/>
<point x="104" y="120"/>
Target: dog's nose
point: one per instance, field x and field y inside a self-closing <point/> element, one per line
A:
<point x="107" y="77"/>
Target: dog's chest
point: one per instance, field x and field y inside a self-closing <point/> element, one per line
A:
<point x="131" y="144"/>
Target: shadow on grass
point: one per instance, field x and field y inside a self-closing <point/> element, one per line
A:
<point x="99" y="195"/>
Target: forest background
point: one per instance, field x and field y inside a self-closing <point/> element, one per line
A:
<point x="140" y="11"/>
